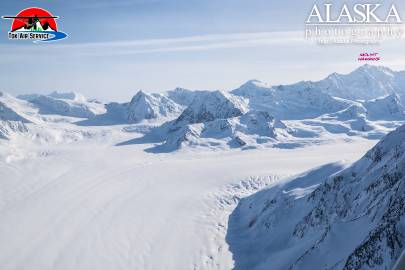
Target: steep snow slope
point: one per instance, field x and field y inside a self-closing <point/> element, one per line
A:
<point x="8" y="114"/>
<point x="11" y="121"/>
<point x="353" y="219"/>
<point x="389" y="107"/>
<point x="366" y="82"/>
<point x="9" y="109"/>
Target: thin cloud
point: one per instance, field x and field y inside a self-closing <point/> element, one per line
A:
<point x="191" y="43"/>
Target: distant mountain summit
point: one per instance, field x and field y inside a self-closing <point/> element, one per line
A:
<point x="365" y="83"/>
<point x="209" y="106"/>
<point x="149" y="106"/>
<point x="253" y="88"/>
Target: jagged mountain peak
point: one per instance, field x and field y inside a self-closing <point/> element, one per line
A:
<point x="211" y="105"/>
<point x="149" y="106"/>
<point x="140" y="95"/>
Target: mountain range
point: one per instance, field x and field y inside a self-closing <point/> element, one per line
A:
<point x="367" y="102"/>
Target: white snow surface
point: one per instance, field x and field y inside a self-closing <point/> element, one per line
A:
<point x="89" y="204"/>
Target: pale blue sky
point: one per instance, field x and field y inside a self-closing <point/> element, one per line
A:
<point x="118" y="47"/>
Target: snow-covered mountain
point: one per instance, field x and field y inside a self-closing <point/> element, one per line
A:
<point x="248" y="130"/>
<point x="66" y="104"/>
<point x="305" y="112"/>
<point x="253" y="88"/>
<point x="143" y="106"/>
<point x="147" y="106"/>
<point x="389" y="107"/>
<point x="182" y="96"/>
<point x="209" y="106"/>
<point x="217" y="119"/>
<point x="298" y="101"/>
<point x="365" y="83"/>
<point x="328" y="218"/>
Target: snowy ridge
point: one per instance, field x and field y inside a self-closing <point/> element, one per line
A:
<point x="365" y="83"/>
<point x="357" y="212"/>
<point x="298" y="101"/>
<point x="65" y="104"/>
<point x="253" y="88"/>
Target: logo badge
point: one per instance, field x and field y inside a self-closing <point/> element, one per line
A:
<point x="35" y="24"/>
